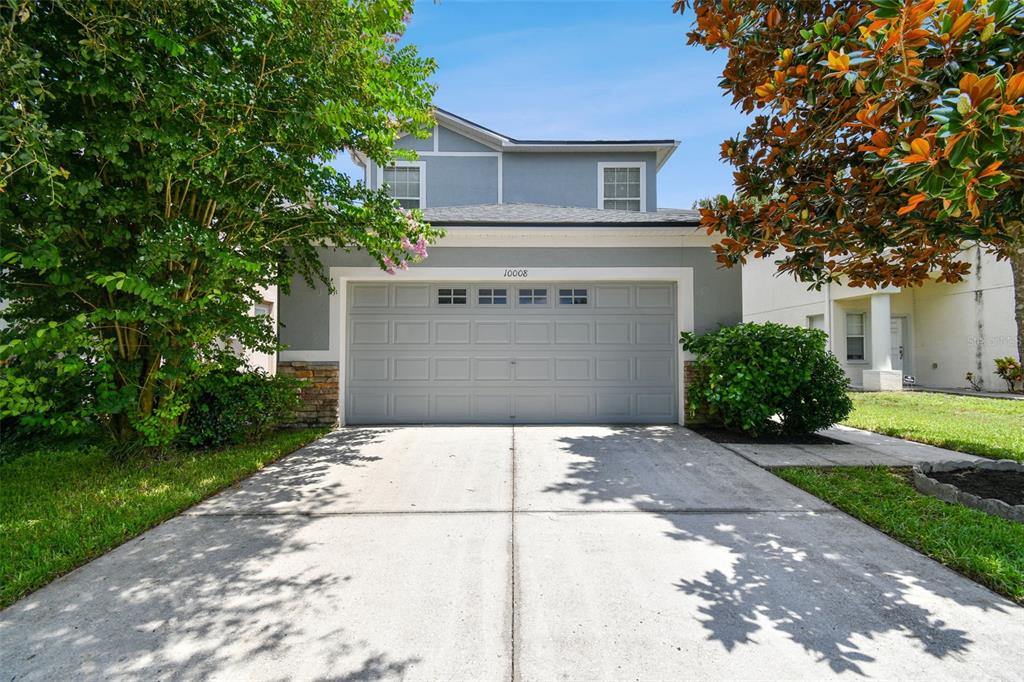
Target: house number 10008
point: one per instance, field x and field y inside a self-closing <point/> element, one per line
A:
<point x="516" y="272"/>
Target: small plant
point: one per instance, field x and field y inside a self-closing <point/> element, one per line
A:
<point x="973" y="380"/>
<point x="230" y="407"/>
<point x="767" y="378"/>
<point x="1009" y="370"/>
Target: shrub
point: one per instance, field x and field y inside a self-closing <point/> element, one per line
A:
<point x="767" y="378"/>
<point x="231" y="407"/>
<point x="1010" y="371"/>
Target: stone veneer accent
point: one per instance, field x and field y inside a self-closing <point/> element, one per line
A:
<point x="689" y="377"/>
<point x="319" y="394"/>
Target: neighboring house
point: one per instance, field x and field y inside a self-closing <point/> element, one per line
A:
<point x="557" y="295"/>
<point x="931" y="335"/>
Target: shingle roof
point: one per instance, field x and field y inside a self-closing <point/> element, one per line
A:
<point x="540" y="214"/>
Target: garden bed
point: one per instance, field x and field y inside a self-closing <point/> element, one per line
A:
<point x="719" y="435"/>
<point x="995" y="488"/>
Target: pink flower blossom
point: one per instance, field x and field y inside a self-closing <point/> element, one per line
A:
<point x="403" y="265"/>
<point x="421" y="247"/>
<point x="407" y="17"/>
<point x="406" y="244"/>
<point x="389" y="266"/>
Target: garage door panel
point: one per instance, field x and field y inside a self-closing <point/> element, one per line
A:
<point x="412" y="296"/>
<point x="534" y="407"/>
<point x="615" y="369"/>
<point x="412" y="369"/>
<point x="532" y="369"/>
<point x="573" y="369"/>
<point x="492" y="369"/>
<point x="571" y="407"/>
<point x="412" y="331"/>
<point x="493" y="332"/>
<point x="572" y="332"/>
<point x="657" y="332"/>
<point x="370" y="295"/>
<point x="369" y="332"/>
<point x="612" y="406"/>
<point x="613" y="333"/>
<point x="452" y="369"/>
<point x="654" y="296"/>
<point x="449" y="407"/>
<point x="414" y="359"/>
<point x="612" y="296"/>
<point x="492" y="406"/>
<point x="655" y="370"/>
<point x="533" y="332"/>
<point x="411" y="407"/>
<point x="451" y="332"/>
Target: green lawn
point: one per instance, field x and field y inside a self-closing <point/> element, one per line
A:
<point x="61" y="506"/>
<point x="987" y="549"/>
<point x="980" y="426"/>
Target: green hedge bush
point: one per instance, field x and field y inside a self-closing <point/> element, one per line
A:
<point x="230" y="407"/>
<point x="766" y="379"/>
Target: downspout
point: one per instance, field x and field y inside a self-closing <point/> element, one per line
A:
<point x="828" y="315"/>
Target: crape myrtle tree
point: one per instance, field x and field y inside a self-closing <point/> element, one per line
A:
<point x="160" y="162"/>
<point x="887" y="136"/>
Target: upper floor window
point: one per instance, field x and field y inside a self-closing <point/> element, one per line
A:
<point x="855" y="336"/>
<point x="405" y="183"/>
<point x="533" y="296"/>
<point x="492" y="296"/>
<point x="622" y="186"/>
<point x="451" y="296"/>
<point x="572" y="296"/>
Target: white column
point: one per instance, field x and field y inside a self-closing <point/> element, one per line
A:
<point x="881" y="376"/>
<point x="881" y="332"/>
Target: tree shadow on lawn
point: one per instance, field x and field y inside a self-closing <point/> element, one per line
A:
<point x="825" y="581"/>
<point x="211" y="596"/>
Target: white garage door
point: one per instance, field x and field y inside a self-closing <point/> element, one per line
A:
<point x="500" y="353"/>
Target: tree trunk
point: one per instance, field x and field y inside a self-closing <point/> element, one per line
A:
<point x="1017" y="268"/>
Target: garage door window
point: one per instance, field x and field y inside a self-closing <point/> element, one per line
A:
<point x="451" y="296"/>
<point x="492" y="296"/>
<point x="572" y="296"/>
<point x="533" y="296"/>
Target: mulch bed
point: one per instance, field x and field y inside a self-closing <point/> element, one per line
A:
<point x="1007" y="486"/>
<point x="719" y="435"/>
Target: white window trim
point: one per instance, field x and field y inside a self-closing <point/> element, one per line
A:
<point x="341" y="276"/>
<point x="863" y="335"/>
<point x="602" y="165"/>
<point x="399" y="163"/>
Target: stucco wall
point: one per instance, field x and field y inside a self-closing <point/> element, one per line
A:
<point x="304" y="313"/>
<point x="953" y="328"/>
<point x="566" y="179"/>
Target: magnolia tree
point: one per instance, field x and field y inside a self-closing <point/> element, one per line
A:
<point x="160" y="162"/>
<point x="887" y="136"/>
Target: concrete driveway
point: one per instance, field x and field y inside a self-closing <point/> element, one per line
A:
<point x="501" y="553"/>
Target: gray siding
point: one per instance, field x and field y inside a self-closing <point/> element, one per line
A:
<point x="566" y="179"/>
<point x="461" y="180"/>
<point x="449" y="141"/>
<point x="553" y="178"/>
<point x="413" y="142"/>
<point x="304" y="312"/>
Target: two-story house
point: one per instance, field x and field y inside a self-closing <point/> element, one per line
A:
<point x="557" y="295"/>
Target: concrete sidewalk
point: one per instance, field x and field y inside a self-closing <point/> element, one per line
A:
<point x="858" y="448"/>
<point x="501" y="553"/>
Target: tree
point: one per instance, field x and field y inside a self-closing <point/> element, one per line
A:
<point x="161" y="161"/>
<point x="887" y="137"/>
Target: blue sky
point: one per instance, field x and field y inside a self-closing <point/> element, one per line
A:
<point x="566" y="70"/>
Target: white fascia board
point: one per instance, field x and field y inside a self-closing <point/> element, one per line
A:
<point x="574" y="237"/>
<point x="663" y="151"/>
<point x="484" y="137"/>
